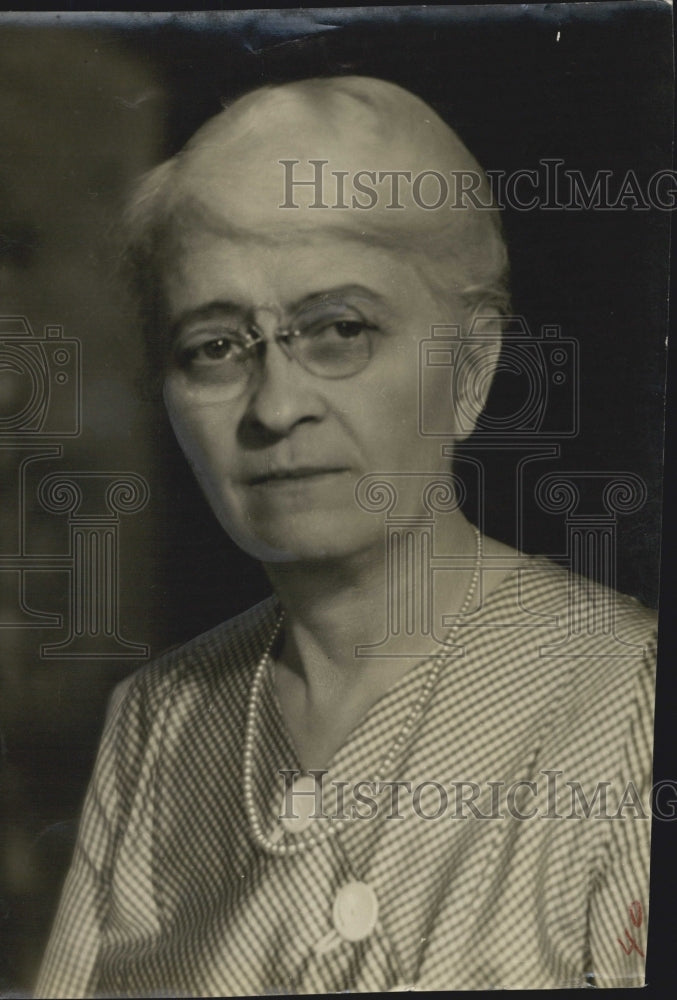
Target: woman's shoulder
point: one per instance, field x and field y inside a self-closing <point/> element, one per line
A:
<point x="602" y="607"/>
<point x="223" y="655"/>
<point x="601" y="646"/>
<point x="595" y="642"/>
<point x="547" y="588"/>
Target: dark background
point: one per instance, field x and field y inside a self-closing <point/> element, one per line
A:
<point x="599" y="98"/>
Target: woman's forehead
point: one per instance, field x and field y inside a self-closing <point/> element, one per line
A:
<point x="351" y="240"/>
<point x="262" y="268"/>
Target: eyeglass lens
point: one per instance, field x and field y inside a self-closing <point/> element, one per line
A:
<point x="331" y="342"/>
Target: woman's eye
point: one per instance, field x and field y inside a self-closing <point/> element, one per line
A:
<point x="217" y="349"/>
<point x="348" y="328"/>
<point x="338" y="329"/>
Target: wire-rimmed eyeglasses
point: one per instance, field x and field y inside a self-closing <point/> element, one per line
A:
<point x="334" y="342"/>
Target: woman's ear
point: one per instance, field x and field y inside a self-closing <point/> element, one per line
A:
<point x="475" y="367"/>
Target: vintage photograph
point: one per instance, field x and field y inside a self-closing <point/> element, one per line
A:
<point x="332" y="384"/>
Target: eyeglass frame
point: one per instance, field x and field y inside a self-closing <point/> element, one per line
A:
<point x="252" y="337"/>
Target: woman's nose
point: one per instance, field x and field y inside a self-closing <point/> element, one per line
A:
<point x="282" y="393"/>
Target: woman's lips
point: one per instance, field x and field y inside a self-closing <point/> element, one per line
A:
<point x="281" y="476"/>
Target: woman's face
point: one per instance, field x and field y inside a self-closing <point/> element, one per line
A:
<point x="279" y="461"/>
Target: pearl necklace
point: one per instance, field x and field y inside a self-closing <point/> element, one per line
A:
<point x="313" y="836"/>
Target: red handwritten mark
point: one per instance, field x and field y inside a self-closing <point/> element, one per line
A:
<point x="635" y="911"/>
<point x="636" y="918"/>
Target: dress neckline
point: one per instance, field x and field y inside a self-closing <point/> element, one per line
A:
<point x="401" y="690"/>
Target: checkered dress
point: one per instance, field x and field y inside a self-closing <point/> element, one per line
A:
<point x="509" y="885"/>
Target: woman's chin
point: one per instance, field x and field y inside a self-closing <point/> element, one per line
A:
<point x="313" y="537"/>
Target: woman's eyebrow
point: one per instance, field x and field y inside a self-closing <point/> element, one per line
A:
<point x="210" y="310"/>
<point x="218" y="308"/>
<point x="338" y="292"/>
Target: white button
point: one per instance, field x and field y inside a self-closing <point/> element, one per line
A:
<point x="355" y="911"/>
<point x="299" y="800"/>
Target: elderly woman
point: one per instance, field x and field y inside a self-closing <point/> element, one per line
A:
<point x="265" y="814"/>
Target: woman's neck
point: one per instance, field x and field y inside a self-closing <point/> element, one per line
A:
<point x="324" y="688"/>
<point x="332" y="608"/>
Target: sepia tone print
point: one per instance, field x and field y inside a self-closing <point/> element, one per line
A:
<point x="332" y="364"/>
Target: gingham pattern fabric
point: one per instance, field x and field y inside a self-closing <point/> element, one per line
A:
<point x="168" y="894"/>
